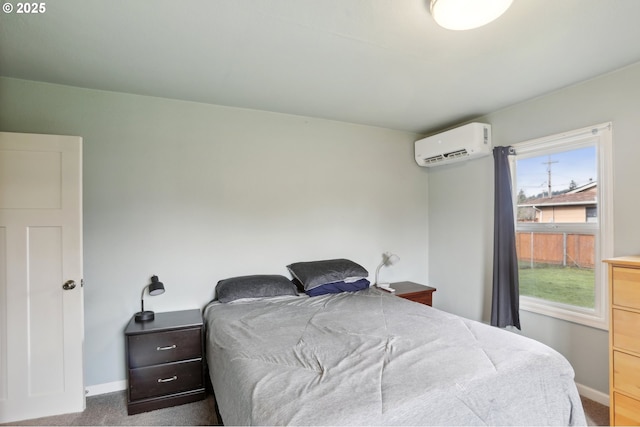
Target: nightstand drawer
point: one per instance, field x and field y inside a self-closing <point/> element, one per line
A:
<point x="163" y="347"/>
<point x="165" y="379"/>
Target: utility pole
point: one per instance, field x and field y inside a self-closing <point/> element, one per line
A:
<point x="548" y="163"/>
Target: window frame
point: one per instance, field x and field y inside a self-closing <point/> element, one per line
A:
<point x="601" y="137"/>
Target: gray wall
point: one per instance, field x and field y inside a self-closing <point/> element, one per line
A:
<point x="195" y="193"/>
<point x="461" y="210"/>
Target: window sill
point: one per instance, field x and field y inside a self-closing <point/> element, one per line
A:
<point x="582" y="316"/>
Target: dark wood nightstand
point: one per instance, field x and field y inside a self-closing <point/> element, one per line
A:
<point x="414" y="292"/>
<point x="165" y="361"/>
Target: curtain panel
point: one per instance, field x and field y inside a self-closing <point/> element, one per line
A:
<point x="505" y="302"/>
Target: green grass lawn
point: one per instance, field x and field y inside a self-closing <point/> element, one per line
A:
<point x="567" y="285"/>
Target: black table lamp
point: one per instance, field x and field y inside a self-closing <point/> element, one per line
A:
<point x="155" y="288"/>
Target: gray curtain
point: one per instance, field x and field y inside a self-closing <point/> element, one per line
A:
<point x="506" y="296"/>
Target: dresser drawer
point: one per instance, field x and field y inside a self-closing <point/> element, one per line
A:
<point x="626" y="330"/>
<point x="626" y="287"/>
<point x="165" y="379"/>
<point x="163" y="347"/>
<point x="626" y="375"/>
<point x="627" y="410"/>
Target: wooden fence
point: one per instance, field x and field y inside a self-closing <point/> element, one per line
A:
<point x="566" y="249"/>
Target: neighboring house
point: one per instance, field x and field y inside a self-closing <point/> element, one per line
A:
<point x="578" y="205"/>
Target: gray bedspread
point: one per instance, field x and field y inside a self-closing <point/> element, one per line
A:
<point x="370" y="358"/>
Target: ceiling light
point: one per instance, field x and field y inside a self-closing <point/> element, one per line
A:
<point x="467" y="14"/>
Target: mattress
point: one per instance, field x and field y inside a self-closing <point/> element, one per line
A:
<point x="371" y="358"/>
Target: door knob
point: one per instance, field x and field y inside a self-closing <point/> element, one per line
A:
<point x="68" y="285"/>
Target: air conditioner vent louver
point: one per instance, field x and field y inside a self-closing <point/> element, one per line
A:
<point x="455" y="154"/>
<point x="434" y="159"/>
<point x="459" y="144"/>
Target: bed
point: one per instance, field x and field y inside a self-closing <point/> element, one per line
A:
<point x="370" y="358"/>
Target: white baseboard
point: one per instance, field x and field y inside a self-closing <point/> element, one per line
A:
<point x="593" y="394"/>
<point x="94" y="390"/>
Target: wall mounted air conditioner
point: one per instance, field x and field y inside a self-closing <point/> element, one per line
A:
<point x="455" y="145"/>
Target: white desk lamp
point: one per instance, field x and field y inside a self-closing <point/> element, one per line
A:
<point x="387" y="259"/>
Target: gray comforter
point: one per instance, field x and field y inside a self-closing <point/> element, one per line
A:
<point x="370" y="358"/>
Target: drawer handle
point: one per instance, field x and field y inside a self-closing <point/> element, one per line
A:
<point x="169" y="347"/>
<point x="166" y="380"/>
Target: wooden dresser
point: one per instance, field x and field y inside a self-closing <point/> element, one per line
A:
<point x="624" y="340"/>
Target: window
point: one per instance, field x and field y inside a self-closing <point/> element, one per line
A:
<point x="564" y="223"/>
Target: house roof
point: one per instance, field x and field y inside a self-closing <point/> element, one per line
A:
<point x="376" y="62"/>
<point x="578" y="196"/>
<point x="585" y="187"/>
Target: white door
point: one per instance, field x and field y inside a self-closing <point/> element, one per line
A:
<point x="41" y="324"/>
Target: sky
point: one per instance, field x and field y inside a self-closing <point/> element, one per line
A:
<point x="578" y="165"/>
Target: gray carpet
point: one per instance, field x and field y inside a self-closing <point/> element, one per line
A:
<point x="111" y="409"/>
<point x="597" y="414"/>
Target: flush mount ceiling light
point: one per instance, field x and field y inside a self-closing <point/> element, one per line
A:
<point x="467" y="14"/>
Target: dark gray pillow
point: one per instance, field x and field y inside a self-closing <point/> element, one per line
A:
<point x="317" y="273"/>
<point x="256" y="286"/>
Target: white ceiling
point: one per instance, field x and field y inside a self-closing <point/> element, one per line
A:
<point x="376" y="62"/>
